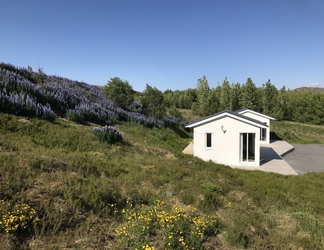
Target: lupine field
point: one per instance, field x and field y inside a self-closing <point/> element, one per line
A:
<point x="34" y="94"/>
<point x="78" y="172"/>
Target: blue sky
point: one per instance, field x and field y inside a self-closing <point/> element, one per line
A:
<point x="168" y="44"/>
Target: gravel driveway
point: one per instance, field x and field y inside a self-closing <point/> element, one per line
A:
<point x="306" y="158"/>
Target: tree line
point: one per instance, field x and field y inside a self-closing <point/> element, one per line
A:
<point x="304" y="105"/>
<point x="301" y="105"/>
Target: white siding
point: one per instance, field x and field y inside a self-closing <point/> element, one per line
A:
<point x="226" y="146"/>
<point x="263" y="120"/>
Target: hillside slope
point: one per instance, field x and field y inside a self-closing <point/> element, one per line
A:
<point x="83" y="190"/>
<point x="63" y="187"/>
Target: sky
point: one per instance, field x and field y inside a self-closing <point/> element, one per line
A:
<point x="168" y="44"/>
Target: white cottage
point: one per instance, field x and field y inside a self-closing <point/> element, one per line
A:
<point x="228" y="138"/>
<point x="264" y="132"/>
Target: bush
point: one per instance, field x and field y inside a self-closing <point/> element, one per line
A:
<point x="180" y="228"/>
<point x="212" y="187"/>
<point x="173" y="111"/>
<point x="16" y="217"/>
<point x="108" y="134"/>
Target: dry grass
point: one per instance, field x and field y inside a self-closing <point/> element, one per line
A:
<point x="188" y="115"/>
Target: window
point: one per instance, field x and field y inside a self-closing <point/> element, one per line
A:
<point x="209" y="140"/>
<point x="247" y="147"/>
<point x="263" y="134"/>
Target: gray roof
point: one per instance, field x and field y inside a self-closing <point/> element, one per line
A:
<point x="240" y="110"/>
<point x="260" y="114"/>
<point x="229" y="112"/>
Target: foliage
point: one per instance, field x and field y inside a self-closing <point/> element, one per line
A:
<point x="173" y="111"/>
<point x="153" y="102"/>
<point x="79" y="187"/>
<point x="304" y="105"/>
<point x="180" y="228"/>
<point x="212" y="187"/>
<point x="180" y="99"/>
<point x="294" y="132"/>
<point x="108" y="134"/>
<point x="312" y="225"/>
<point x="203" y="97"/>
<point x="120" y="92"/>
<point x="307" y="106"/>
<point x="21" y="94"/>
<point x="214" y="100"/>
<point x="249" y="97"/>
<point x="82" y="190"/>
<point x="16" y="217"/>
<point x="235" y="96"/>
<point x="225" y="97"/>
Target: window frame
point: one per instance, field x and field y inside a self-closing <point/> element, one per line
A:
<point x="263" y="134"/>
<point x="244" y="153"/>
<point x="211" y="140"/>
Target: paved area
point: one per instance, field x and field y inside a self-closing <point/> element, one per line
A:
<point x="306" y="158"/>
<point x="189" y="149"/>
<point x="271" y="158"/>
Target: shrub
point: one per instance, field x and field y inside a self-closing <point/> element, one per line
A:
<point x="212" y="187"/>
<point x="74" y="116"/>
<point x="180" y="228"/>
<point x="16" y="217"/>
<point x="173" y="111"/>
<point x="108" y="134"/>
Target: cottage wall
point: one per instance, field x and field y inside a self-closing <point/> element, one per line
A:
<point x="225" y="142"/>
<point x="263" y="120"/>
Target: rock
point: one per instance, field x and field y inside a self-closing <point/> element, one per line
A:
<point x="22" y="120"/>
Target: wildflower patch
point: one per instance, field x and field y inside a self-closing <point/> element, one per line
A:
<point x="179" y="228"/>
<point x="16" y="217"/>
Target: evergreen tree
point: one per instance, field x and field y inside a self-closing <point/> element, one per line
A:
<point x="307" y="106"/>
<point x="270" y="99"/>
<point x="283" y="100"/>
<point x="214" y="100"/>
<point x="249" y="95"/>
<point x="168" y="98"/>
<point x="235" y="96"/>
<point x="203" y="97"/>
<point x="180" y="99"/>
<point x="225" y="96"/>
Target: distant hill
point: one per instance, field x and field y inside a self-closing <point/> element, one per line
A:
<point x="311" y="88"/>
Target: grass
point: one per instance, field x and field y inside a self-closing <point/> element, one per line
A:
<point x="295" y="132"/>
<point x="188" y="115"/>
<point x="86" y="192"/>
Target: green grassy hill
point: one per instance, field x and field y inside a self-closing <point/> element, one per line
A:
<point x="69" y="186"/>
<point x="63" y="188"/>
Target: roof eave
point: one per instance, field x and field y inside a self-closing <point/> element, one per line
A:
<point x="242" y="111"/>
<point x="217" y="116"/>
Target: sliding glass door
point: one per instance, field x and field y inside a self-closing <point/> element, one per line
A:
<point x="247" y="147"/>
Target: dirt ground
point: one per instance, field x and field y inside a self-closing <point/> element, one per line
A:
<point x="306" y="158"/>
